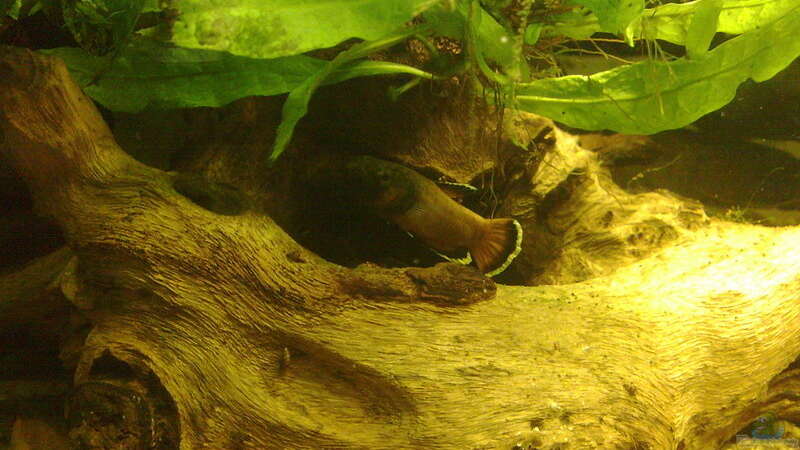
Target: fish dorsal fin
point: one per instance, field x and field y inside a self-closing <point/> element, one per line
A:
<point x="456" y="191"/>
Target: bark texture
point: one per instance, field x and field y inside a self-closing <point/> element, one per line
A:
<point x="217" y="330"/>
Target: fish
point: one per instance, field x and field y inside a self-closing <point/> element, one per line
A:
<point x="423" y="209"/>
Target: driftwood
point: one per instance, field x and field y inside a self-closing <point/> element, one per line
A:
<point x="217" y="330"/>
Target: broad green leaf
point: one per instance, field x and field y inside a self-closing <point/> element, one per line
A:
<point x="101" y="26"/>
<point x="614" y="16"/>
<point x="475" y="51"/>
<point x="702" y="28"/>
<point x="148" y="75"/>
<point x="670" y="22"/>
<point x="273" y="28"/>
<point x="574" y="24"/>
<point x="532" y="33"/>
<point x="296" y="105"/>
<point x="654" y="96"/>
<point x="446" y="21"/>
<point x="124" y="14"/>
<point x="740" y="16"/>
<point x="494" y="41"/>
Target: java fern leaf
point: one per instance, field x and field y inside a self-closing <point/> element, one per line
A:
<point x="345" y="65"/>
<point x="653" y="96"/>
<point x="147" y="75"/>
<point x="671" y="22"/>
<point x="614" y="16"/>
<point x="492" y="38"/>
<point x="702" y="28"/>
<point x="274" y="28"/>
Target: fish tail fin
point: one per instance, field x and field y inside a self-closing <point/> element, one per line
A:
<point x="500" y="243"/>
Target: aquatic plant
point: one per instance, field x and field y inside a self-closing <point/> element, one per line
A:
<point x="138" y="54"/>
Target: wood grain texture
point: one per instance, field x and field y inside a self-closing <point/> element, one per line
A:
<point x="262" y="344"/>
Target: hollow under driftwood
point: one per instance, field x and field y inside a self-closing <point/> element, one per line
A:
<point x="220" y="331"/>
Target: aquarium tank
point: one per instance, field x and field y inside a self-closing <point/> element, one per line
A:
<point x="399" y="224"/>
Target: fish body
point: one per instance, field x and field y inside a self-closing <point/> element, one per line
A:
<point x="418" y="206"/>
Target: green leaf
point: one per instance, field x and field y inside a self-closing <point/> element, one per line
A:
<point x="614" y="16"/>
<point x="10" y="8"/>
<point x="702" y="28"/>
<point x="573" y="24"/>
<point x="149" y="75"/>
<point x="101" y="26"/>
<point x="296" y="105"/>
<point x="447" y="21"/>
<point x="670" y="22"/>
<point x="364" y="68"/>
<point x="31" y="7"/>
<point x="654" y="96"/>
<point x="532" y="33"/>
<point x="273" y="28"/>
<point x="124" y="14"/>
<point x="493" y="40"/>
<point x="741" y="16"/>
<point x="151" y="5"/>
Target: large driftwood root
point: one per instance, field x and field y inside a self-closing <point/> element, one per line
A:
<point x="234" y="336"/>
